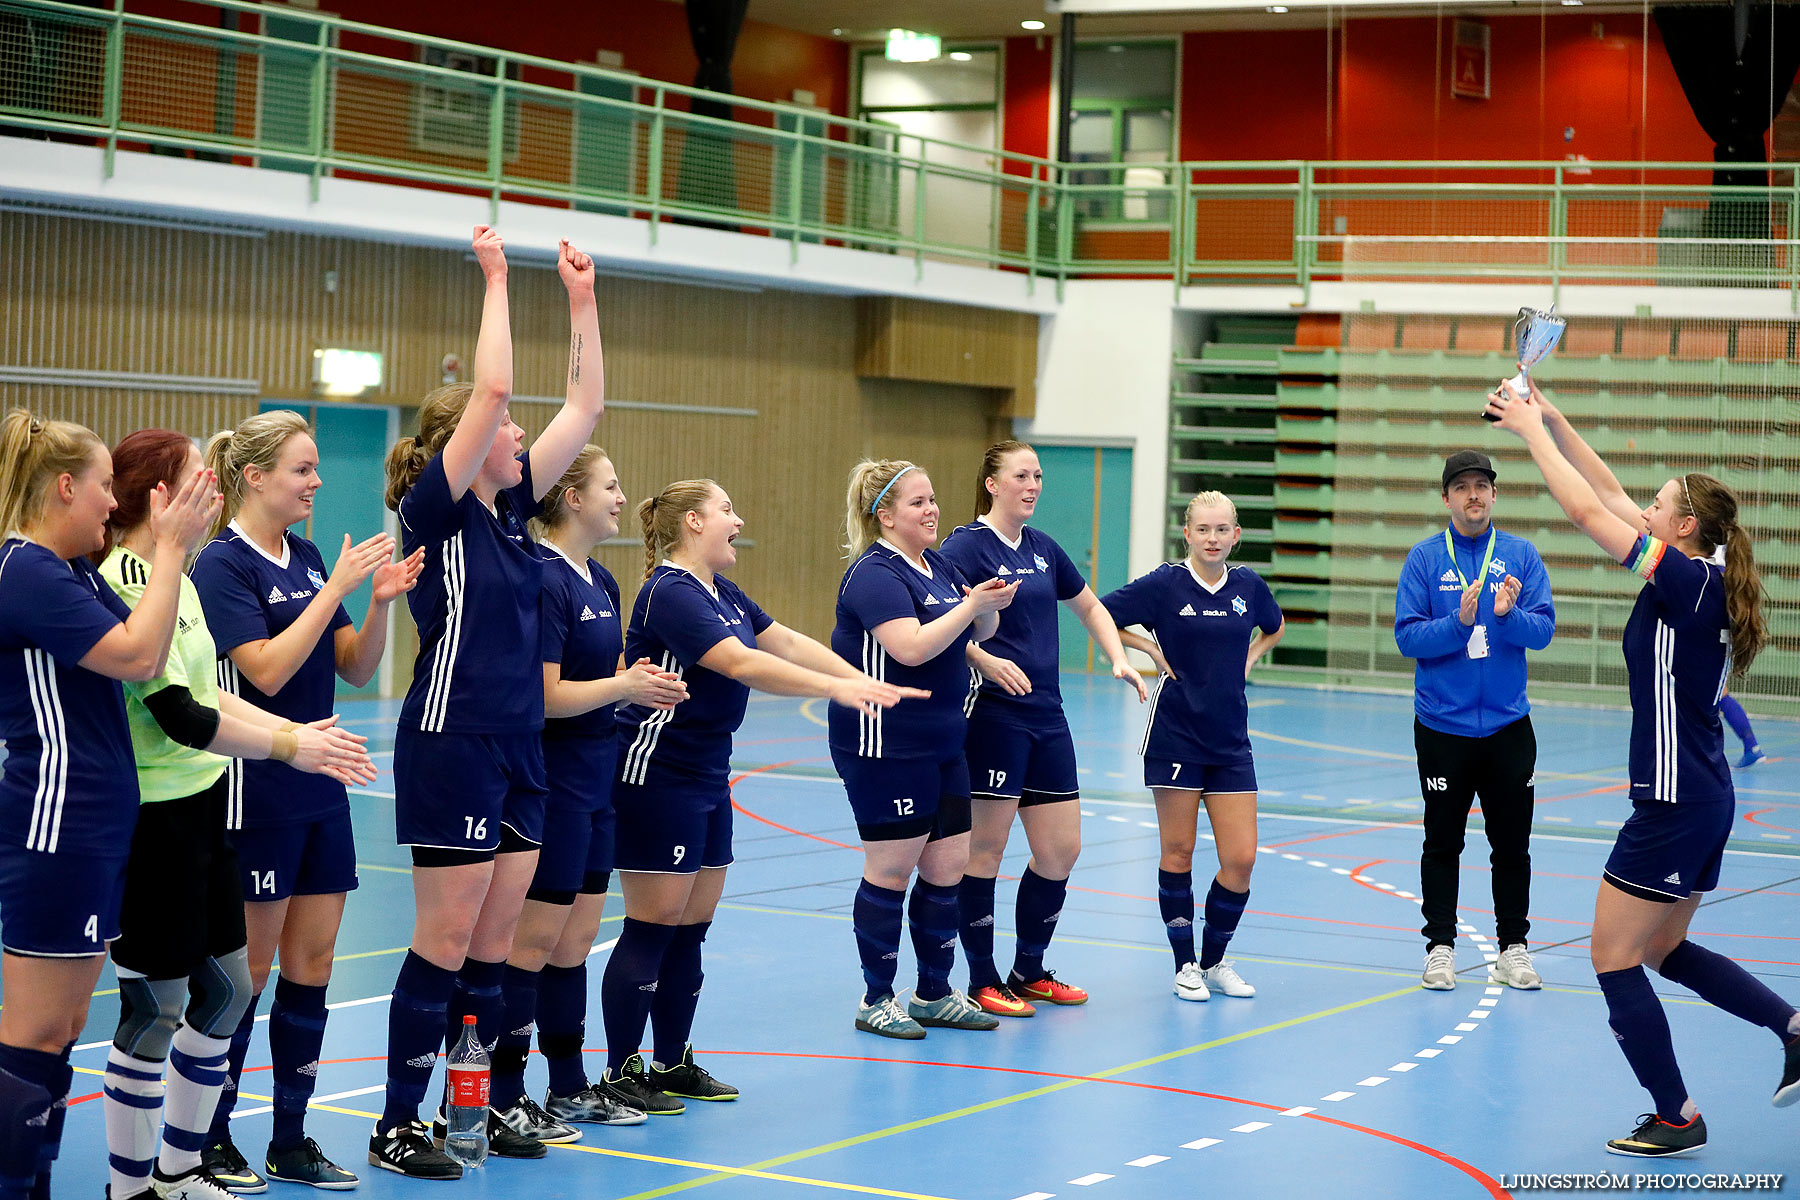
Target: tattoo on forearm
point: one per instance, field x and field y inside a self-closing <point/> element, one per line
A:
<point x="575" y="358"/>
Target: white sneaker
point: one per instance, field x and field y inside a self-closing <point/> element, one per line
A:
<point x="1190" y="983"/>
<point x="1223" y="977"/>
<point x="195" y="1184"/>
<point x="886" y="1018"/>
<point x="1440" y="969"/>
<point x="1514" y="969"/>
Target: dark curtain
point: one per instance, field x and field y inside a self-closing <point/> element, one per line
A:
<point x="708" y="176"/>
<point x="1735" y="63"/>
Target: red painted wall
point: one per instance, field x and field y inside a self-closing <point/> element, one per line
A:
<point x="1254" y="94"/>
<point x="1030" y="75"/>
<point x="770" y="63"/>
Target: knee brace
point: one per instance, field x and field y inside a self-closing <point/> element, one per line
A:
<point x="219" y="993"/>
<point x="149" y="1011"/>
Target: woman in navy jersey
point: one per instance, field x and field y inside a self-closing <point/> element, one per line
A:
<point x="1210" y="622"/>
<point x="908" y="615"/>
<point x="1021" y="757"/>
<point x="184" y="975"/>
<point x="1697" y="622"/>
<point x="284" y="641"/>
<point x="69" y="794"/>
<point x="468" y="756"/>
<point x="583" y="638"/>
<point x="673" y="795"/>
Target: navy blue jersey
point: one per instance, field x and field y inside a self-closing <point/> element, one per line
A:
<point x="476" y="606"/>
<point x="70" y="782"/>
<point x="1677" y="658"/>
<point x="1200" y="715"/>
<point x="581" y="631"/>
<point x="882" y="586"/>
<point x="1028" y="628"/>
<point x="249" y="596"/>
<point x="675" y="620"/>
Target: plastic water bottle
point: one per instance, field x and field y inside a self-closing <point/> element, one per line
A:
<point x="466" y="1105"/>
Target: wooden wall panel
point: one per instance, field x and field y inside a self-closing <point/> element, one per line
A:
<point x="899" y="338"/>
<point x="86" y="294"/>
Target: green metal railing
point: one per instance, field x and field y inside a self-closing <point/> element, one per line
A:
<point x="291" y="90"/>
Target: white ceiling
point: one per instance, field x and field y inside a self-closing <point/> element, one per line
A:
<point x="869" y="20"/>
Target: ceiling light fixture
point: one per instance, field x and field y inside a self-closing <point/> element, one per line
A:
<point x="1034" y="26"/>
<point x="961" y="55"/>
<point x="1281" y="8"/>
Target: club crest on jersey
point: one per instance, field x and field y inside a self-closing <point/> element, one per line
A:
<point x="1499" y="564"/>
<point x="275" y="596"/>
<point x="318" y="580"/>
<point x="1238" y="606"/>
<point x="1041" y="564"/>
<point x="1187" y="610"/>
<point x="587" y="614"/>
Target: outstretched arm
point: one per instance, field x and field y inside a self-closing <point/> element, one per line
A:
<point x="585" y="398"/>
<point x="1099" y="623"/>
<point x="1525" y="418"/>
<point x="480" y="422"/>
<point x="1582" y="457"/>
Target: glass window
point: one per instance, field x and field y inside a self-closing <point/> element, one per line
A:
<point x="942" y="81"/>
<point x="1124" y="104"/>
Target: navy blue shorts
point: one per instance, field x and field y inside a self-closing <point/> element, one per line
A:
<point x="899" y="798"/>
<point x="1211" y="778"/>
<point x="453" y="791"/>
<point x="62" y="905"/>
<point x="578" y="848"/>
<point x="671" y="827"/>
<point x="1667" y="852"/>
<point x="1032" y="766"/>
<point x="307" y="858"/>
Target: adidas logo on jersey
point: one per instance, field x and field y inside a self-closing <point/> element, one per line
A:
<point x="930" y="600"/>
<point x="1002" y="570"/>
<point x="1675" y="878"/>
<point x="1447" y="577"/>
<point x="1187" y="610"/>
<point x="587" y="614"/>
<point x="275" y="596"/>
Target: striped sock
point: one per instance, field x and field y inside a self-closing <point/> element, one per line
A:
<point x="234" y="1071"/>
<point x="562" y="1026"/>
<point x="931" y="916"/>
<point x="519" y="997"/>
<point x="196" y="1076"/>
<point x="1040" y="906"/>
<point x="133" y="1101"/>
<point x="415" y="1031"/>
<point x="1223" y="908"/>
<point x="876" y="917"/>
<point x="296" y="1037"/>
<point x="975" y="902"/>
<point x="1175" y="897"/>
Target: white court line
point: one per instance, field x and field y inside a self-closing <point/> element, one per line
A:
<point x="1372" y="1081"/>
<point x="1200" y="1143"/>
<point x="1430" y="1053"/>
<point x="1402" y="1068"/>
<point x="1090" y="1180"/>
<point x="1301" y="1111"/>
<point x="1467" y="1027"/>
<point x="1149" y="1160"/>
<point x="1336" y="1096"/>
<point x="1250" y="1127"/>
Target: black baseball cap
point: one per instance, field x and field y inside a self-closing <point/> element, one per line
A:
<point x="1467" y="460"/>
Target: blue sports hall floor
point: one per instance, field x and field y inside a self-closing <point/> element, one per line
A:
<point x="1340" y="1074"/>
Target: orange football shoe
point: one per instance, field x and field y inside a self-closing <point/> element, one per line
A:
<point x="1051" y="990"/>
<point x="1002" y="1001"/>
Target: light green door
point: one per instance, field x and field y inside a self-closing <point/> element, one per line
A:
<point x="1086" y="507"/>
<point x="353" y="442"/>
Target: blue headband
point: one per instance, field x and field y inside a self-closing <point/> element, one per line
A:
<point x="890" y="485"/>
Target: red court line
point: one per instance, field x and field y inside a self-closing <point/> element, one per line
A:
<point x="1751" y="817"/>
<point x="1319" y="837"/>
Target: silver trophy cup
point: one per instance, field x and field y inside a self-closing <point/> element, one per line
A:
<point x="1535" y="334"/>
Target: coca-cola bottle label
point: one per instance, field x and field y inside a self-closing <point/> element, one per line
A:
<point x="469" y="1088"/>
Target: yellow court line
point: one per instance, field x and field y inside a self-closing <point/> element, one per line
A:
<point x="1034" y="1093"/>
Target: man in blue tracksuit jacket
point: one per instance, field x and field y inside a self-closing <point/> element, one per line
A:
<point x="1471" y="601"/>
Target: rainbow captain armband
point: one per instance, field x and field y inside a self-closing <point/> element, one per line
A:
<point x="1644" y="556"/>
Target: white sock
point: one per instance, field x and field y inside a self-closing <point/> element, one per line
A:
<point x="132" y="1101"/>
<point x="196" y="1077"/>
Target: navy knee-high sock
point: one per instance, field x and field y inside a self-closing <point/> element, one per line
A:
<point x="677" y="994"/>
<point x="415" y="1031"/>
<point x="1739" y="720"/>
<point x="629" y="987"/>
<point x="296" y="1036"/>
<point x="1040" y="905"/>
<point x="1638" y="1021"/>
<point x="931" y="916"/>
<point x="234" y="1070"/>
<point x="975" y="902"/>
<point x="29" y="1082"/>
<point x="876" y="917"/>
<point x="1725" y="985"/>
<point x="1223" y="908"/>
<point x="477" y="994"/>
<point x="519" y="995"/>
<point x="1175" y="897"/>
<point x="53" y="1127"/>
<point x="562" y="1025"/>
